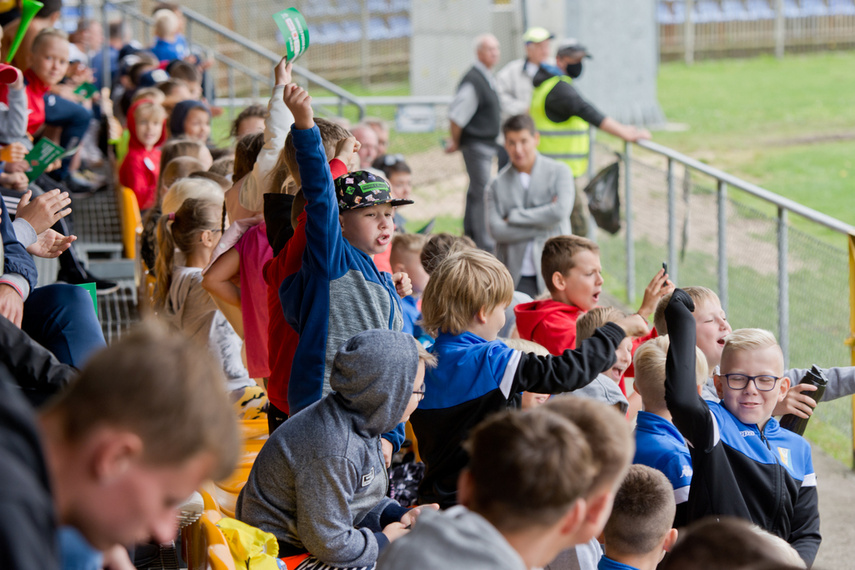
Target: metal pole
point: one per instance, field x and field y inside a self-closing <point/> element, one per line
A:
<point x="783" y="287"/>
<point x="630" y="244"/>
<point x="779" y="28"/>
<point x="689" y="33"/>
<point x="364" y="59"/>
<point x="230" y="73"/>
<point x="106" y="79"/>
<point x="722" y="244"/>
<point x="851" y="340"/>
<point x="672" y="224"/>
<point x="592" y="223"/>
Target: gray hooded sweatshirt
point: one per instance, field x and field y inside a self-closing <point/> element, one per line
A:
<point x="319" y="483"/>
<point x="456" y="539"/>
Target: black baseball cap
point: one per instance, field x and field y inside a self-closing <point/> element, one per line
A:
<point x="361" y="189"/>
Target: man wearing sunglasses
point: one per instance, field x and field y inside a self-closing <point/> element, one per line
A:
<point x="744" y="463"/>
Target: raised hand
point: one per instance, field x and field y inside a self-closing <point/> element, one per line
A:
<point x="299" y="103"/>
<point x="50" y="244"/>
<point x="44" y="211"/>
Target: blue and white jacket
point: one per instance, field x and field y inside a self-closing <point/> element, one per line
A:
<point x="763" y="475"/>
<point x="338" y="292"/>
<point x="658" y="444"/>
<point x="475" y="378"/>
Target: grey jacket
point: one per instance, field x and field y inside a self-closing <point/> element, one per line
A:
<point x="13" y="119"/>
<point x="456" y="539"/>
<point x="319" y="483"/>
<point x="516" y="216"/>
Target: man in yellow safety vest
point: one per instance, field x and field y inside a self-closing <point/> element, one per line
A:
<point x="562" y="118"/>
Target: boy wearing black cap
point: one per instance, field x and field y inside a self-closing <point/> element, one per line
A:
<point x="338" y="292"/>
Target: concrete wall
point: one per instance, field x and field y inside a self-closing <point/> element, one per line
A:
<point x="622" y="38"/>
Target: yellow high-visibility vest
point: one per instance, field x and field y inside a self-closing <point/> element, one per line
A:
<point x="567" y="141"/>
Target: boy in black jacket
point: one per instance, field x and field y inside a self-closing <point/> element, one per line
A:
<point x="745" y="464"/>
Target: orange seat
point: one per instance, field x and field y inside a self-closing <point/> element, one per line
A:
<point x="129" y="214"/>
<point x="206" y="547"/>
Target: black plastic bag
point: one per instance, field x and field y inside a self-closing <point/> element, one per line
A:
<point x="603" y="192"/>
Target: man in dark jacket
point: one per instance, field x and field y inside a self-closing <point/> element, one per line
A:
<point x="475" y="116"/>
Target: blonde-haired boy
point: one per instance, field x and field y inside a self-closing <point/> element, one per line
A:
<point x="606" y="386"/>
<point x="745" y="464"/>
<point x="658" y="443"/>
<point x="639" y="530"/>
<point x="405" y="257"/>
<point x="464" y="304"/>
<point x="610" y="437"/>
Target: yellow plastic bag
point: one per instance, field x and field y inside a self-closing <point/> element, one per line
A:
<point x="251" y="548"/>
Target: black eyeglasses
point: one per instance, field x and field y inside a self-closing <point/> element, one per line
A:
<point x="763" y="383"/>
<point x="420" y="394"/>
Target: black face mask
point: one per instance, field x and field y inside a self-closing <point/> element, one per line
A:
<point x="574" y="70"/>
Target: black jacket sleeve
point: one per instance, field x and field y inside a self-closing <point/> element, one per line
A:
<point x="35" y="369"/>
<point x="564" y="102"/>
<point x="572" y="370"/>
<point x="688" y="410"/>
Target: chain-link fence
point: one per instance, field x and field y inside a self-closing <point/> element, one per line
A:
<point x="817" y="269"/>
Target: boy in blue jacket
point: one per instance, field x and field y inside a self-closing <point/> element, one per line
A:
<point x="338" y="292"/>
<point x="464" y="302"/>
<point x="744" y="463"/>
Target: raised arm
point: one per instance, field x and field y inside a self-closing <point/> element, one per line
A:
<point x="688" y="410"/>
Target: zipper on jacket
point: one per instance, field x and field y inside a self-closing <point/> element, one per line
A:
<point x="779" y="485"/>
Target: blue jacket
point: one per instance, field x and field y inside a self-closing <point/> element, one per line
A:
<point x="475" y="378"/>
<point x="762" y="475"/>
<point x="338" y="292"/>
<point x="658" y="444"/>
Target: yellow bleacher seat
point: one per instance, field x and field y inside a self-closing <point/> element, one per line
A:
<point x="129" y="214"/>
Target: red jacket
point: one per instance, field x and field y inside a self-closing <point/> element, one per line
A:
<point x="284" y="339"/>
<point x="141" y="167"/>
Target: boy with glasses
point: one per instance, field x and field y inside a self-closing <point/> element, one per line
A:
<point x="745" y="464"/>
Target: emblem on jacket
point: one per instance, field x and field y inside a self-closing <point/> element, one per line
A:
<point x="785" y="456"/>
<point x="368" y="478"/>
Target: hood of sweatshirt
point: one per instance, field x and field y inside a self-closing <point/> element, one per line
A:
<point x="373" y="375"/>
<point x="134" y="141"/>
<point x="530" y="315"/>
<point x="179" y="113"/>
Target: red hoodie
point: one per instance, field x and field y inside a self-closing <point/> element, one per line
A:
<point x="548" y="323"/>
<point x="553" y="325"/>
<point x="141" y="168"/>
<point x="282" y="338"/>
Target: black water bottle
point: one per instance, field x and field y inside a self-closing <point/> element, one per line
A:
<point x="815" y="377"/>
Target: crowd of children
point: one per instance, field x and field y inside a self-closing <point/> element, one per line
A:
<point x="287" y="263"/>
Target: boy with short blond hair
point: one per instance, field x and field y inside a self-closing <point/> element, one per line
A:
<point x="606" y="386"/>
<point x="658" y="443"/>
<point x="463" y="305"/>
<point x="406" y="258"/>
<point x="521" y="499"/>
<point x="573" y="275"/>
<point x="744" y="463"/>
<point x="639" y="530"/>
<point x="610" y="437"/>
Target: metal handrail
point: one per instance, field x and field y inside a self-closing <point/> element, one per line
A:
<point x="274" y="58"/>
<point x="753" y="189"/>
<point x="783" y="205"/>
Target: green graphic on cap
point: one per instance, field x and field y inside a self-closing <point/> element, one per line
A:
<point x="295" y="33"/>
<point x="367" y="187"/>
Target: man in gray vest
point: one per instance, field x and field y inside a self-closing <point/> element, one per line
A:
<point x="475" y="115"/>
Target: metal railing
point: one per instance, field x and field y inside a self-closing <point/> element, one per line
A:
<point x="340" y="97"/>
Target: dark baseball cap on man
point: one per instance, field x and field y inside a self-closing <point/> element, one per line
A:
<point x="361" y="189"/>
<point x="571" y="46"/>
